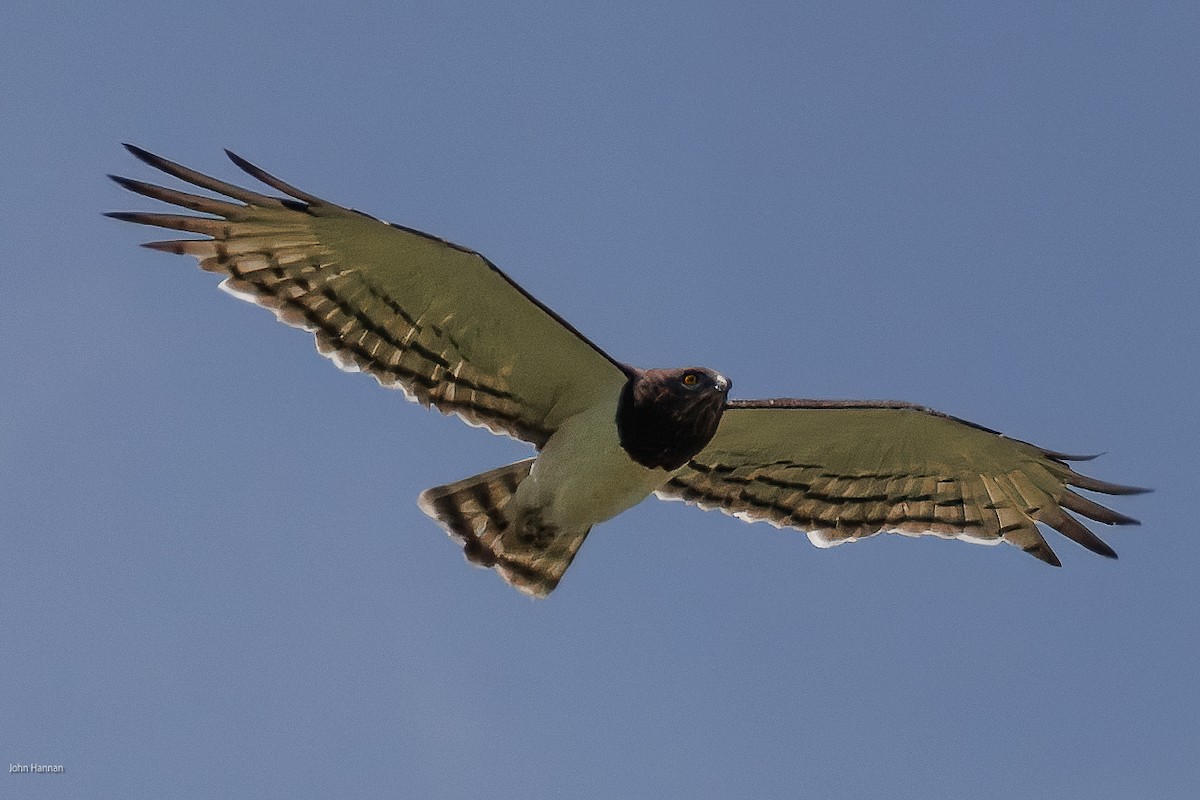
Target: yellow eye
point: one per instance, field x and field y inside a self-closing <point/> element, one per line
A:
<point x="691" y="379"/>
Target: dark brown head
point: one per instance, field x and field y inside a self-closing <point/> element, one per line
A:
<point x="666" y="416"/>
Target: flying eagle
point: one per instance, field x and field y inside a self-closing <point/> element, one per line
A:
<point x="445" y="326"/>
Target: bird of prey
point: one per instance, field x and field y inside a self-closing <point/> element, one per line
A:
<point x="445" y="326"/>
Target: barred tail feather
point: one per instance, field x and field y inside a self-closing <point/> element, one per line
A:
<point x="529" y="555"/>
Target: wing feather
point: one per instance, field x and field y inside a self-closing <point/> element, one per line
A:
<point x="846" y="470"/>
<point x="434" y="319"/>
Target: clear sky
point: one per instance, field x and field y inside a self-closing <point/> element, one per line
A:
<point x="216" y="581"/>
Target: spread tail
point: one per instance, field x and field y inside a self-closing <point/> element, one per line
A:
<point x="529" y="555"/>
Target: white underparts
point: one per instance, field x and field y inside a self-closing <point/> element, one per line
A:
<point x="583" y="476"/>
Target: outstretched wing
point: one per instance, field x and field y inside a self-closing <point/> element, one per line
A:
<point x="418" y="313"/>
<point x="846" y="470"/>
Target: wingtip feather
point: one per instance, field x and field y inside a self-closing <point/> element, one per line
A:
<point x="200" y="179"/>
<point x="1044" y="553"/>
<point x="261" y="174"/>
<point x="240" y="162"/>
<point x="142" y="154"/>
<point x="1058" y="456"/>
<point x="1077" y="532"/>
<point x="176" y="247"/>
<point x="1104" y="487"/>
<point x="1093" y="510"/>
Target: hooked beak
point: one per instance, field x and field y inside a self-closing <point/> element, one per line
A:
<point x="723" y="384"/>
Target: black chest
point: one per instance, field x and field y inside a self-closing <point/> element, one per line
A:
<point x="664" y="429"/>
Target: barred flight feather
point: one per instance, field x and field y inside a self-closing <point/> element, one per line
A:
<point x="382" y="299"/>
<point x="947" y="481"/>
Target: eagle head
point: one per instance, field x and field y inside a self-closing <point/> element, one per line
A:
<point x="666" y="416"/>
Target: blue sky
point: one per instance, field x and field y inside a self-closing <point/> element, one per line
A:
<point x="216" y="581"/>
